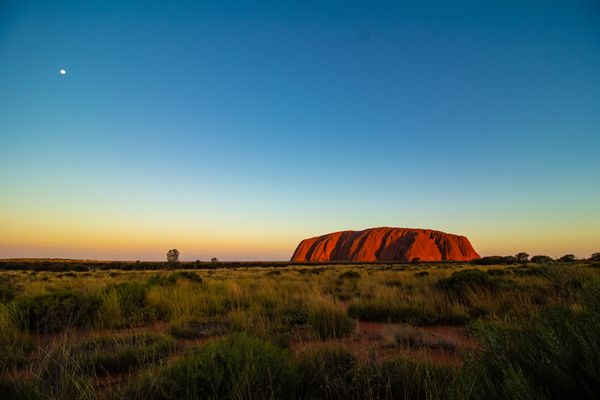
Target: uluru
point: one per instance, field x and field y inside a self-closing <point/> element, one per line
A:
<point x="385" y="244"/>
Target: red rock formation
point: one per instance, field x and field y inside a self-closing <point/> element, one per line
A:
<point x="385" y="244"/>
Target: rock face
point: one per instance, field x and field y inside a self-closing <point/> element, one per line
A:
<point x="385" y="244"/>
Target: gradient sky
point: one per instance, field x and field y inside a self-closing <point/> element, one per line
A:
<point x="236" y="129"/>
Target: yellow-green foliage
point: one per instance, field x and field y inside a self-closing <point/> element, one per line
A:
<point x="90" y="323"/>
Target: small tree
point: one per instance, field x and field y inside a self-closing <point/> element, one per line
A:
<point x="173" y="256"/>
<point x="595" y="257"/>
<point x="567" y="258"/>
<point x="522" y="257"/>
<point x="541" y="259"/>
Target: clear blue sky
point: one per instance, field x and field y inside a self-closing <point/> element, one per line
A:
<point x="236" y="129"/>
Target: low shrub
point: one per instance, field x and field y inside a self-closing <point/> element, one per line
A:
<point x="236" y="367"/>
<point x="541" y="259"/>
<point x="568" y="258"/>
<point x="409" y="313"/>
<point x="15" y="346"/>
<point x="460" y="283"/>
<point x="498" y="271"/>
<point x="349" y="275"/>
<point x="393" y="283"/>
<point x="552" y="356"/>
<point x="328" y="373"/>
<point x="495" y="260"/>
<point x="58" y="310"/>
<point x="162" y="280"/>
<point x="8" y="289"/>
<point x="188" y="276"/>
<point x="199" y="328"/>
<point x="315" y="271"/>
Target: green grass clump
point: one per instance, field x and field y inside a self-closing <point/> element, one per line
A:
<point x="328" y="373"/>
<point x="327" y="321"/>
<point x="196" y="328"/>
<point x="58" y="310"/>
<point x="552" y="356"/>
<point x="405" y="378"/>
<point x="237" y="367"/>
<point x="188" y="275"/>
<point x="109" y="353"/>
<point x="15" y="345"/>
<point x="8" y="289"/>
<point x="350" y="275"/>
<point x="414" y="314"/>
<point x="126" y="304"/>
<point x="460" y="281"/>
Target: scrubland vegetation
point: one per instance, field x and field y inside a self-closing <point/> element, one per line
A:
<point x="418" y="331"/>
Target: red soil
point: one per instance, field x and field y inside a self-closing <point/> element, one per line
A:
<point x="371" y="342"/>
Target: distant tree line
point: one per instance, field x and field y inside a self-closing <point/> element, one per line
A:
<point x="174" y="262"/>
<point x="522" y="258"/>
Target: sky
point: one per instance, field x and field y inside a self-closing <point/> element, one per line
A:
<point x="235" y="129"/>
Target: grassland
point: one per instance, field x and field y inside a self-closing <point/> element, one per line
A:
<point x="423" y="331"/>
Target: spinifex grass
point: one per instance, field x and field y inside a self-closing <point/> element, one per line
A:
<point x="291" y="332"/>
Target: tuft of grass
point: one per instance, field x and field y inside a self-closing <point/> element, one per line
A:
<point x="552" y="356"/>
<point x="110" y="354"/>
<point x="328" y="373"/>
<point x="326" y="321"/>
<point x="236" y="367"/>
<point x="414" y="314"/>
<point x="58" y="310"/>
<point x="8" y="289"/>
<point x="196" y="328"/>
<point x="349" y="275"/>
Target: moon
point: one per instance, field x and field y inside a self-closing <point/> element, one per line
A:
<point x="62" y="71"/>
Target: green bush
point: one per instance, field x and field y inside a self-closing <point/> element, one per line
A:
<point x="461" y="280"/>
<point x="350" y="275"/>
<point x="541" y="259"/>
<point x="498" y="271"/>
<point x="188" y="275"/>
<point x="495" y="260"/>
<point x="15" y="347"/>
<point x="553" y="356"/>
<point x="237" y="367"/>
<point x="199" y="328"/>
<point x="8" y="289"/>
<point x="414" y="314"/>
<point x="568" y="258"/>
<point x="127" y="305"/>
<point x="328" y="373"/>
<point x="58" y="310"/>
<point x="162" y="280"/>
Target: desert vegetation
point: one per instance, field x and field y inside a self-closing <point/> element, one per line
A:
<point x="508" y="330"/>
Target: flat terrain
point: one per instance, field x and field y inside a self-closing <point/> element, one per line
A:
<point x="71" y="330"/>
